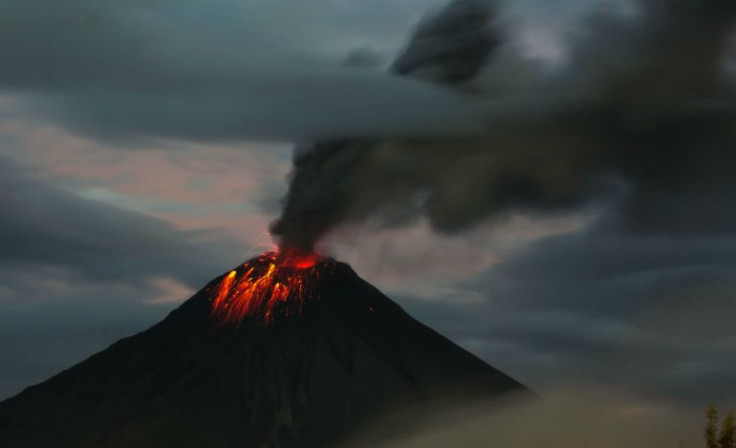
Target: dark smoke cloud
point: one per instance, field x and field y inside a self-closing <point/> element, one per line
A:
<point x="450" y="47"/>
<point x="643" y="109"/>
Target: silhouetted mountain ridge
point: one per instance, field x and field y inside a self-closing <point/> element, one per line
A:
<point x="302" y="381"/>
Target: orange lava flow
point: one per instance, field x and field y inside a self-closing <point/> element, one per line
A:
<point x="273" y="284"/>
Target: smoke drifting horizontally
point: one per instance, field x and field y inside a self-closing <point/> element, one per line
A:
<point x="565" y="418"/>
<point x="644" y="99"/>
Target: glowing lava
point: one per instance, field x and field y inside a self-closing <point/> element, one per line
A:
<point x="273" y="284"/>
<point x="298" y="260"/>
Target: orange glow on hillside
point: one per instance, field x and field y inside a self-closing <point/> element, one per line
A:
<point x="269" y="285"/>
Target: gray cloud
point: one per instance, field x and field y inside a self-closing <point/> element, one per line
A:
<point x="652" y="314"/>
<point x="43" y="226"/>
<point x="219" y="71"/>
<point x="75" y="273"/>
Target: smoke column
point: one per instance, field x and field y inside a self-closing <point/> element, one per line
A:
<point x="645" y="99"/>
<point x="450" y="47"/>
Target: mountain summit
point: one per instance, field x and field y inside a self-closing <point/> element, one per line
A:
<point x="279" y="352"/>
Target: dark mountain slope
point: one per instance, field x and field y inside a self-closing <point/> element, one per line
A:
<point x="304" y="380"/>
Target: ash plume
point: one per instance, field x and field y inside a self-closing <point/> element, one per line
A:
<point x="644" y="99"/>
<point x="449" y="47"/>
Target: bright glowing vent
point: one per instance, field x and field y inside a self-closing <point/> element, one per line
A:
<point x="273" y="284"/>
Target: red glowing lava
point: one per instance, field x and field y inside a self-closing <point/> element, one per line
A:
<point x="298" y="260"/>
<point x="267" y="286"/>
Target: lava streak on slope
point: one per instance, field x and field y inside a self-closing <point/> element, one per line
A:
<point x="270" y="285"/>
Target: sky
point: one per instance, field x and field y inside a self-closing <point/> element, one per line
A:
<point x="145" y="147"/>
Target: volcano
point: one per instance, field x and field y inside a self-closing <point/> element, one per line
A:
<point x="294" y="351"/>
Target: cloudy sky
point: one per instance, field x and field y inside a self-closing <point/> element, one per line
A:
<point x="145" y="146"/>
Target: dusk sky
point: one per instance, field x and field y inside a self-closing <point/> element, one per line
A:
<point x="145" y="147"/>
